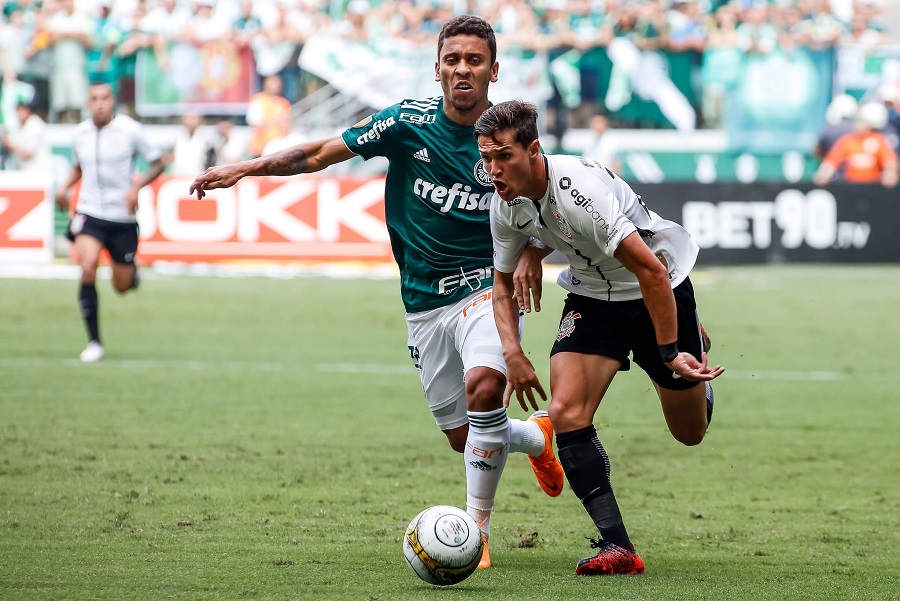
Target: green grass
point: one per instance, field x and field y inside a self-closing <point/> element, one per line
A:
<point x="267" y="439"/>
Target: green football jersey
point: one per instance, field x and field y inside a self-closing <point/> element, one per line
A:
<point x="437" y="196"/>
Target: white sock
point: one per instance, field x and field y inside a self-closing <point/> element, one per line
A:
<point x="486" y="449"/>
<point x="525" y="437"/>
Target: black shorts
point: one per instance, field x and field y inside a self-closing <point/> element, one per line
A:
<point x="120" y="239"/>
<point x="616" y="328"/>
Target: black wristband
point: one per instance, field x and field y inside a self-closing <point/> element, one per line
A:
<point x="668" y="352"/>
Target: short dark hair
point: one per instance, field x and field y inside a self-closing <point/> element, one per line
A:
<point x="469" y="25"/>
<point x="512" y="115"/>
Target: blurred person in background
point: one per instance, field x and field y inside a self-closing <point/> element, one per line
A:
<point x="601" y="147"/>
<point x="226" y="147"/>
<point x="436" y="206"/>
<point x="39" y="66"/>
<point x="865" y="154"/>
<point x="106" y="34"/>
<point x="190" y="148"/>
<point x="277" y="45"/>
<point x="266" y="115"/>
<point x="28" y="145"/>
<point x="133" y="39"/>
<point x="105" y="148"/>
<point x="70" y="36"/>
<point x="165" y="24"/>
<point x="840" y="117"/>
<point x="720" y="69"/>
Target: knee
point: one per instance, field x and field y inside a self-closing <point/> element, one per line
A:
<point x="566" y="416"/>
<point x="484" y="389"/>
<point x="690" y="438"/>
<point x="88" y="274"/>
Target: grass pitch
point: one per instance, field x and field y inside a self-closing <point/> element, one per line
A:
<point x="267" y="439"/>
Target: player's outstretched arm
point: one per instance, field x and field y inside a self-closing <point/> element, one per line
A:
<point x="302" y="158"/>
<point x="520" y="375"/>
<point x="637" y="257"/>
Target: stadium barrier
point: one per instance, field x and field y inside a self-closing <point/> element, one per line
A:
<point x="327" y="219"/>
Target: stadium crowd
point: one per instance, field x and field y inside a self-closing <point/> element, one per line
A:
<point x="51" y="49"/>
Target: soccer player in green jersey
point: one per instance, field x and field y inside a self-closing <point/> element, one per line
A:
<point x="437" y="195"/>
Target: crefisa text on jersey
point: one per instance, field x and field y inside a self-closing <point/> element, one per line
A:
<point x="446" y="196"/>
<point x="374" y="132"/>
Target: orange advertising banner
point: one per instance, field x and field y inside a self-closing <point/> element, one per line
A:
<point x="26" y="217"/>
<point x="308" y="218"/>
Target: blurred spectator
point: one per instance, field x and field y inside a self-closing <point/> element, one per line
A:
<point x="39" y="56"/>
<point x="106" y="34"/>
<point x="70" y="36"/>
<point x="190" y="148"/>
<point x="755" y="34"/>
<point x="839" y="120"/>
<point x="265" y="115"/>
<point x="205" y="26"/>
<point x="721" y="67"/>
<point x="276" y="47"/>
<point x="165" y="24"/>
<point x="15" y="37"/>
<point x="865" y="153"/>
<point x="860" y="34"/>
<point x="819" y="28"/>
<point x="601" y="148"/>
<point x="133" y="39"/>
<point x="686" y="28"/>
<point x="225" y="147"/>
<point x="28" y="146"/>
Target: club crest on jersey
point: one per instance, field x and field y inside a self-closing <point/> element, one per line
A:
<point x="567" y="325"/>
<point x="563" y="224"/>
<point x="481" y="174"/>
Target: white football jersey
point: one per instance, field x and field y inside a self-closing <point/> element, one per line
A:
<point x="585" y="214"/>
<point x="107" y="157"/>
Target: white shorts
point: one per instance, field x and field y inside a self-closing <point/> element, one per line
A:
<point x="445" y="343"/>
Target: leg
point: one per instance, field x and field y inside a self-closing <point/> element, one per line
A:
<point x="125" y="277"/>
<point x="122" y="243"/>
<point x="88" y="249"/>
<point x="686" y="411"/>
<point x="578" y="383"/>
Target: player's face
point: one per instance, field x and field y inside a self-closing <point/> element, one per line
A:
<point x="465" y="71"/>
<point x="100" y="103"/>
<point x="512" y="166"/>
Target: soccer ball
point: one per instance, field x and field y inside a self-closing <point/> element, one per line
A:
<point x="443" y="545"/>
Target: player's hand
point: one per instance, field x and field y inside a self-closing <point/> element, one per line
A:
<point x="131" y="200"/>
<point x="522" y="380"/>
<point x="685" y="365"/>
<point x="62" y="199"/>
<point x="216" y="177"/>
<point x="527" y="279"/>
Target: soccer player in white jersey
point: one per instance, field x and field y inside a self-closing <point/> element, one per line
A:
<point x="436" y="209"/>
<point x="105" y="148"/>
<point x="629" y="292"/>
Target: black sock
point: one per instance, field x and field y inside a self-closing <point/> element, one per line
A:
<point x="87" y="300"/>
<point x="587" y="469"/>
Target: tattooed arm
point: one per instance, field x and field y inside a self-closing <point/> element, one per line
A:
<point x="302" y="158"/>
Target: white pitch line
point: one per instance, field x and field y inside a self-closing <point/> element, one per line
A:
<point x="351" y="368"/>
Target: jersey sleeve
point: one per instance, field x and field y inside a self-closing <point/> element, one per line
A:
<point x="508" y="241"/>
<point x="143" y="146"/>
<point x="374" y="136"/>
